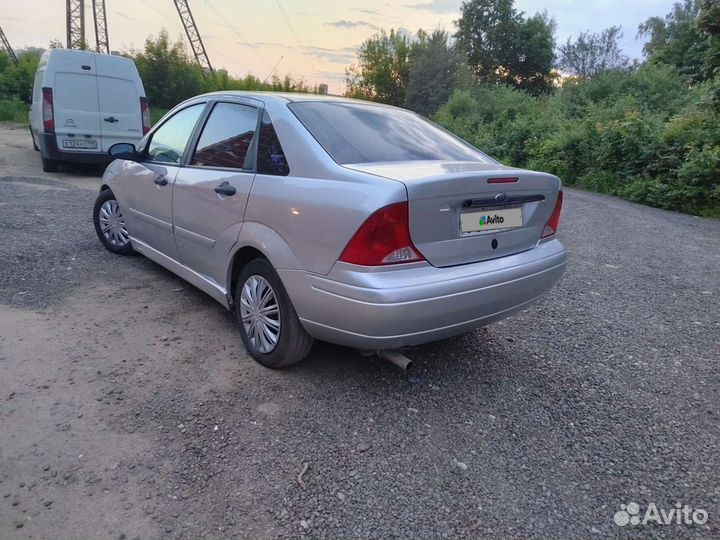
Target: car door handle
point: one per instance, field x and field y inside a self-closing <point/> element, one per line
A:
<point x="161" y="180"/>
<point x="225" y="189"/>
<point x="110" y="119"/>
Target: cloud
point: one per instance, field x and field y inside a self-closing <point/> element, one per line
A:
<point x="346" y="55"/>
<point x="261" y="44"/>
<point x="343" y="55"/>
<point x="368" y="11"/>
<point x="351" y="24"/>
<point x="439" y="6"/>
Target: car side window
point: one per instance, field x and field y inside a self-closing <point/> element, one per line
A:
<point x="226" y="138"/>
<point x="270" y="158"/>
<point x="169" y="141"/>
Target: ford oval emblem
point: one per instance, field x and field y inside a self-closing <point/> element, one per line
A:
<point x="501" y="197"/>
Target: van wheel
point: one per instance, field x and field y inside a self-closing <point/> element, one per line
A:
<point x="110" y="224"/>
<point x="32" y="136"/>
<point x="269" y="325"/>
<point x="49" y="165"/>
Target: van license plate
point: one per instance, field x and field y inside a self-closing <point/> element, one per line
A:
<point x="490" y="220"/>
<point x="88" y="144"/>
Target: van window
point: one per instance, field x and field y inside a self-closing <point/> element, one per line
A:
<point x="227" y="136"/>
<point x="271" y="158"/>
<point x="117" y="96"/>
<point x="76" y="92"/>
<point x="169" y="141"/>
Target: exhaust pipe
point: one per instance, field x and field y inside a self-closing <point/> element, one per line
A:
<point x="394" y="357"/>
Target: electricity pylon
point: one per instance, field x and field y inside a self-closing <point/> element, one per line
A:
<point x="193" y="35"/>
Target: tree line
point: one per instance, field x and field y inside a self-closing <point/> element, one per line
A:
<point x="644" y="130"/>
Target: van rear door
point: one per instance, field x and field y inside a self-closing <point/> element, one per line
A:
<point x="119" y="93"/>
<point x="75" y="103"/>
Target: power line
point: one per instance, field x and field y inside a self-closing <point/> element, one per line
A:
<point x="6" y="44"/>
<point x="273" y="69"/>
<point x="287" y="20"/>
<point x="234" y="31"/>
<point x="290" y="26"/>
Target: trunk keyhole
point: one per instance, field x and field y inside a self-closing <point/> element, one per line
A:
<point x="494" y="243"/>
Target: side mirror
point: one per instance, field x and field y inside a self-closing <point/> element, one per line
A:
<point x="123" y="151"/>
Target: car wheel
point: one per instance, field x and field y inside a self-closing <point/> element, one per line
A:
<point x="49" y="165"/>
<point x="110" y="224"/>
<point x="269" y="325"/>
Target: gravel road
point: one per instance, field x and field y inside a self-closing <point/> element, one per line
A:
<point x="129" y="408"/>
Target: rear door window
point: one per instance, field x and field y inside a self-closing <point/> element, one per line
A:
<point x="118" y="96"/>
<point x="168" y="143"/>
<point x="227" y="137"/>
<point x="271" y="158"/>
<point x="76" y="92"/>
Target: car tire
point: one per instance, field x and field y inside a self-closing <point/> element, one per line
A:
<point x="49" y="165"/>
<point x="292" y="342"/>
<point x="32" y="136"/>
<point x="110" y="224"/>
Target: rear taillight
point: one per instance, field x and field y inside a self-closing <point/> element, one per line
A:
<point x="384" y="238"/>
<point x="47" y="111"/>
<point x="145" y="110"/>
<point x="551" y="226"/>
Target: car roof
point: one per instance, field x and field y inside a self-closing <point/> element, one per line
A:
<point x="289" y="97"/>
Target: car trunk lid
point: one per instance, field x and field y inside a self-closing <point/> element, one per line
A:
<point x="465" y="212"/>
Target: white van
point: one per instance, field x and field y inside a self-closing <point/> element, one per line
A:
<point x="83" y="103"/>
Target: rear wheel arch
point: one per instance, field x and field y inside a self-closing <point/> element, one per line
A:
<point x="240" y="259"/>
<point x="258" y="240"/>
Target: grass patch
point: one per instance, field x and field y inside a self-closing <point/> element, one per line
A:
<point x="13" y="110"/>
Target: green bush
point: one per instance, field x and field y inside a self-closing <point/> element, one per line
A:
<point x="643" y="134"/>
<point x="13" y="110"/>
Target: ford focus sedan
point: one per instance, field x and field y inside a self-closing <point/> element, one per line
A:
<point x="313" y="217"/>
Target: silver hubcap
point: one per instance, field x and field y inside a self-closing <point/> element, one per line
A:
<point x="260" y="314"/>
<point x="112" y="224"/>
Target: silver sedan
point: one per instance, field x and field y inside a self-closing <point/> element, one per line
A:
<point x="319" y="217"/>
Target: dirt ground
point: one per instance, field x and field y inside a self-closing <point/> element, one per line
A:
<point x="129" y="408"/>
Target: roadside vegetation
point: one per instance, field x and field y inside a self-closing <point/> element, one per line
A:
<point x="646" y="131"/>
<point x="13" y="110"/>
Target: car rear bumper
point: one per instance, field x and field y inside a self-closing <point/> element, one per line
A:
<point x="50" y="150"/>
<point x="394" y="307"/>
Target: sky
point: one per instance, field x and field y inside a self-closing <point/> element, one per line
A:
<point x="312" y="39"/>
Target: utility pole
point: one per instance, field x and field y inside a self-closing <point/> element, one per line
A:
<point x="7" y="47"/>
<point x="193" y="35"/>
<point x="101" y="33"/>
<point x="75" y="12"/>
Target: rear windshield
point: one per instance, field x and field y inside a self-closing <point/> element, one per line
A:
<point x="357" y="133"/>
<point x="76" y="92"/>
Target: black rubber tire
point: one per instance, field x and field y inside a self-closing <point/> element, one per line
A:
<point x="294" y="342"/>
<point x="35" y="146"/>
<point x="104" y="196"/>
<point x="49" y="165"/>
